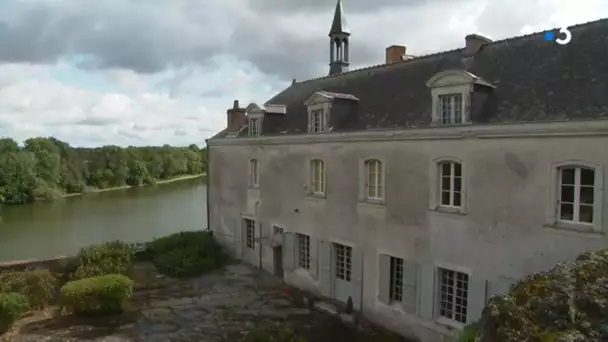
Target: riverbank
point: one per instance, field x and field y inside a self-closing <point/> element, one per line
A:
<point x="163" y="181"/>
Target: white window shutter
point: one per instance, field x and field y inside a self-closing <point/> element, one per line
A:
<point x="357" y="277"/>
<point x="314" y="257"/>
<point x="384" y="278"/>
<point x="309" y="121"/>
<point x="288" y="252"/>
<point x="410" y="286"/>
<point x="428" y="288"/>
<point x="362" y="180"/>
<point x="238" y="237"/>
<point x="325" y="280"/>
<point x="476" y="298"/>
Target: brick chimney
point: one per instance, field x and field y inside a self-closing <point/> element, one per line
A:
<point x="236" y="118"/>
<point x="395" y="53"/>
<point x="474" y="42"/>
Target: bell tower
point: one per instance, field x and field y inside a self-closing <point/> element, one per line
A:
<point x="338" y="42"/>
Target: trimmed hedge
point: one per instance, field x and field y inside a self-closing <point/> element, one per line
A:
<point x="39" y="286"/>
<point x="185" y="254"/>
<point x="12" y="307"/>
<point x="101" y="295"/>
<point x="114" y="257"/>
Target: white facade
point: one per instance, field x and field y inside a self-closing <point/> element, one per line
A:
<point x="502" y="222"/>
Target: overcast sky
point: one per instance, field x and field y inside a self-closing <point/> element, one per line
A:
<point x="141" y="72"/>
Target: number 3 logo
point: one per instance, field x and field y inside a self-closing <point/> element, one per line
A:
<point x="568" y="36"/>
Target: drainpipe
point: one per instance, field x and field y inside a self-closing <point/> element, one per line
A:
<point x="207" y="176"/>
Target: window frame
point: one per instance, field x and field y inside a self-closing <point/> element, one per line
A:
<point x="577" y="188"/>
<point x="454" y="107"/>
<point x="254" y="132"/>
<point x="395" y="284"/>
<point x="254" y="173"/>
<point x="303" y="256"/>
<point x="380" y="179"/>
<point x="438" y="302"/>
<point x="553" y="219"/>
<point x="322" y="183"/>
<point x="435" y="200"/>
<point x="249" y="243"/>
<point x="451" y="190"/>
<point x="347" y="269"/>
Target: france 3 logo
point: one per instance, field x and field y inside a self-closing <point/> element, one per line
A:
<point x="563" y="37"/>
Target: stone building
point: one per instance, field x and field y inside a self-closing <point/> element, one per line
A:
<point x="422" y="186"/>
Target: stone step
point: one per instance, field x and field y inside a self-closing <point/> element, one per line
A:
<point x="326" y="308"/>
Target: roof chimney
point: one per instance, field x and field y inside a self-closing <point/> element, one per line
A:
<point x="395" y="53"/>
<point x="236" y="118"/>
<point x="474" y="42"/>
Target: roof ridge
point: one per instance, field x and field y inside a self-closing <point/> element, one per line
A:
<point x="377" y="66"/>
<point x="434" y="54"/>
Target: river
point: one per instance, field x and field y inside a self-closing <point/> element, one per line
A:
<point x="62" y="227"/>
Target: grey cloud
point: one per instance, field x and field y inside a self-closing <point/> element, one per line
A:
<point x="161" y="35"/>
<point x="350" y="6"/>
<point x="179" y="132"/>
<point x="110" y="33"/>
<point x="155" y="35"/>
<point x="98" y="121"/>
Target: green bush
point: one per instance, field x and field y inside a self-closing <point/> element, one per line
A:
<point x="567" y="303"/>
<point x="39" y="286"/>
<point x="113" y="257"/>
<point x="264" y="335"/>
<point x="469" y="333"/>
<point x="185" y="254"/>
<point x="12" y="307"/>
<point x="101" y="295"/>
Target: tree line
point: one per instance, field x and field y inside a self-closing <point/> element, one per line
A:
<point x="47" y="168"/>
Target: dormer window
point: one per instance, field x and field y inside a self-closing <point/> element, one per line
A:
<point x="317" y="121"/>
<point x="451" y="91"/>
<point x="451" y="109"/>
<point x="254" y="127"/>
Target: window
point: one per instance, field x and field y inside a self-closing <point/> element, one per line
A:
<point x="454" y="292"/>
<point x="343" y="261"/>
<point x="254" y="127"/>
<point x="317" y="121"/>
<point x="278" y="230"/>
<point x="450" y="109"/>
<point x="303" y="251"/>
<point x="317" y="177"/>
<point x="249" y="233"/>
<point x="576" y="194"/>
<point x="451" y="184"/>
<point x="396" y="281"/>
<point x="374" y="181"/>
<point x="253" y="173"/>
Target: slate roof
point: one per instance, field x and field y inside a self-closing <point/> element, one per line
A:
<point x="535" y="80"/>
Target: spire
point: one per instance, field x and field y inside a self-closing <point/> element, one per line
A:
<point x="338" y="42"/>
<point x="339" y="23"/>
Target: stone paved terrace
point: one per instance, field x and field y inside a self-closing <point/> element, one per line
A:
<point x="220" y="306"/>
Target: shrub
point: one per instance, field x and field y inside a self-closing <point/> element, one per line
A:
<point x="264" y="335"/>
<point x="12" y="307"/>
<point x="99" y="295"/>
<point x="39" y="286"/>
<point x="185" y="254"/>
<point x="567" y="303"/>
<point x="113" y="257"/>
<point x="469" y="333"/>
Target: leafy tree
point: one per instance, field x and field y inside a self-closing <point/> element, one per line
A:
<point x="45" y="167"/>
